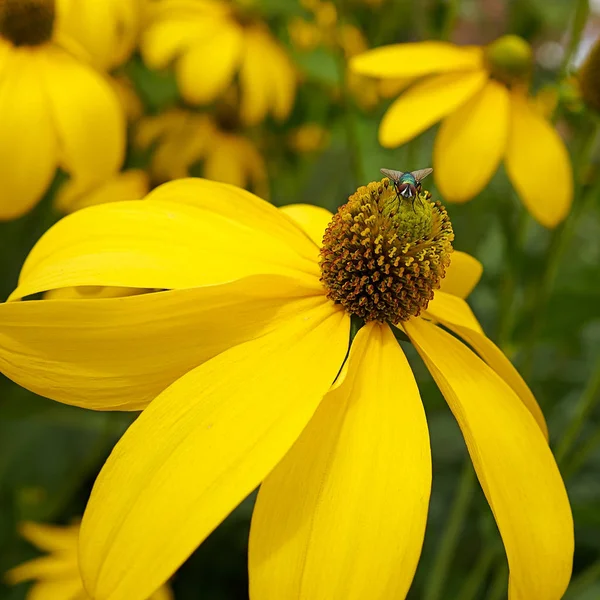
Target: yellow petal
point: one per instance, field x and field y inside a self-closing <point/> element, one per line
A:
<point x="514" y="464"/>
<point x="119" y="353"/>
<point x="63" y="589"/>
<point x="283" y="81"/>
<point x="312" y="219"/>
<point x="128" y="185"/>
<point x="28" y="149"/>
<point x="200" y="448"/>
<point x="462" y="275"/>
<point x="255" y="79"/>
<point x="57" y="565"/>
<point x="131" y="244"/>
<point x="358" y="478"/>
<point x="425" y="103"/>
<point x="50" y="537"/>
<point x="416" y="59"/>
<point x="470" y="144"/>
<point x="538" y="164"/>
<point x="452" y="308"/>
<point x="206" y="69"/>
<point x="88" y="117"/>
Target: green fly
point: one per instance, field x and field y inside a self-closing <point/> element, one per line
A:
<point x="407" y="185"/>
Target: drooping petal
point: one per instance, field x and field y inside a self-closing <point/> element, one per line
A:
<point x="57" y="565"/>
<point x="513" y="461"/>
<point x="353" y="491"/>
<point x="28" y="149"/>
<point x="462" y="275"/>
<point x="62" y="589"/>
<point x="452" y="308"/>
<point x="455" y="313"/>
<point x="416" y="59"/>
<point x="538" y="164"/>
<point x="119" y="353"/>
<point x="255" y="80"/>
<point x="50" y="537"/>
<point x="200" y="448"/>
<point x="88" y="117"/>
<point x="470" y="144"/>
<point x="425" y="103"/>
<point x="168" y="245"/>
<point x="206" y="69"/>
<point x="283" y="81"/>
<point x="312" y="219"/>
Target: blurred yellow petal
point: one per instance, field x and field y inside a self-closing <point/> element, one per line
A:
<point x="158" y="497"/>
<point x="162" y="593"/>
<point x="28" y="149"/>
<point x="389" y="88"/>
<point x="50" y="537"/>
<point x="471" y="143"/>
<point x="538" y="164"/>
<point x="131" y="244"/>
<point x="206" y="69"/>
<point x="57" y="565"/>
<point x="128" y="185"/>
<point x="312" y="219"/>
<point x="353" y="491"/>
<point x="425" y="103"/>
<point x="63" y="589"/>
<point x="453" y="308"/>
<point x="416" y="59"/>
<point x="255" y="79"/>
<point x="514" y="464"/>
<point x="88" y="292"/>
<point x="462" y="275"/>
<point x="283" y="81"/>
<point x="88" y="117"/>
<point x="119" y="353"/>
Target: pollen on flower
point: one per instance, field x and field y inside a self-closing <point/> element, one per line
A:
<point x="27" y="22"/>
<point x="509" y="59"/>
<point x="383" y="256"/>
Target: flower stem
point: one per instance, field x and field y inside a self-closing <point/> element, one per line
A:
<point x="451" y="535"/>
<point x="580" y="17"/>
<point x="584" y="407"/>
<point x="559" y="242"/>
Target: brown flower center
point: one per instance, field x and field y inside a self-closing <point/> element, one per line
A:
<point x="383" y="255"/>
<point x="27" y="22"/>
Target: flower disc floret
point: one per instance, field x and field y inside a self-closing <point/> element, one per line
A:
<point x="27" y="22"/>
<point x="383" y="256"/>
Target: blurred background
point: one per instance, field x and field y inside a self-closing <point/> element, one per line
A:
<point x="539" y="297"/>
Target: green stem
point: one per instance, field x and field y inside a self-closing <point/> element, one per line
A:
<point x="452" y="10"/>
<point x="580" y="17"/>
<point x="559" y="242"/>
<point x="581" y="455"/>
<point x="584" y="407"/>
<point x="478" y="574"/>
<point x="454" y="526"/>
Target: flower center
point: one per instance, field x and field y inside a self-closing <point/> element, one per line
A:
<point x="383" y="255"/>
<point x="27" y="22"/>
<point x="509" y="59"/>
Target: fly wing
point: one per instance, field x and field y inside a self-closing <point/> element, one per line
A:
<point x="393" y="175"/>
<point x="421" y="173"/>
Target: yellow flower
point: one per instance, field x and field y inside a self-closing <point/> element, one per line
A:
<point x="107" y="30"/>
<point x="57" y="575"/>
<point x="209" y="42"/>
<point x="182" y="139"/>
<point x="56" y="111"/>
<point x="246" y="372"/>
<point x="481" y="95"/>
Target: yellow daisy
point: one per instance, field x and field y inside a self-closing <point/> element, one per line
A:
<point x="210" y="41"/>
<point x="106" y="29"/>
<point x="247" y="372"/>
<point x="182" y="139"/>
<point x="481" y="95"/>
<point x="56" y="111"/>
<point x="57" y="575"/>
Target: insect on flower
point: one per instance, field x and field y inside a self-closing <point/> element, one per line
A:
<point x="407" y="185"/>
